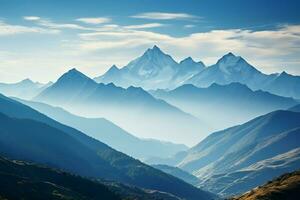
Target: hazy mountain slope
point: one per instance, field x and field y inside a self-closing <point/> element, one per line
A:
<point x="132" y="109"/>
<point x="179" y="173"/>
<point x="295" y="108"/>
<point x="256" y="174"/>
<point x="284" y="84"/>
<point x="241" y="102"/>
<point x="154" y="69"/>
<point x="49" y="142"/>
<point x="218" y="159"/>
<point x="26" y="89"/>
<point x="238" y="146"/>
<point x="284" y="187"/>
<point x="107" y="132"/>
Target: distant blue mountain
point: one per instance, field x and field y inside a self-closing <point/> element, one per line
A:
<point x="133" y="109"/>
<point x="231" y="68"/>
<point x="222" y="106"/>
<point x="109" y="133"/>
<point x="26" y="88"/>
<point x="26" y="134"/>
<point x="242" y="157"/>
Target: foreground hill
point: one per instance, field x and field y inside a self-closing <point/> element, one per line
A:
<point x="285" y="187"/>
<point x="21" y="180"/>
<point x="132" y="109"/>
<point x="39" y="139"/>
<point x="227" y="105"/>
<point x="109" y="133"/>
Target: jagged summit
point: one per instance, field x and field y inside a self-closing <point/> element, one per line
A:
<point x="187" y="60"/>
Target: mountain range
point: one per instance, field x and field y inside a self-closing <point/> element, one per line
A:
<point x="109" y="133"/>
<point x="26" y="134"/>
<point x="227" y="105"/>
<point x="133" y="109"/>
<point x="154" y="69"/>
<point x="157" y="70"/>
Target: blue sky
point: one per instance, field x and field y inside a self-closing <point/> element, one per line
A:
<point x="42" y="39"/>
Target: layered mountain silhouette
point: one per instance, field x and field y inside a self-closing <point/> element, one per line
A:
<point x="109" y="133"/>
<point x="236" y="159"/>
<point x="26" y="134"/>
<point x="284" y="187"/>
<point x="26" y="88"/>
<point x="157" y="70"/>
<point x="133" y="109"/>
<point x="227" y="105"/>
<point x="154" y="69"/>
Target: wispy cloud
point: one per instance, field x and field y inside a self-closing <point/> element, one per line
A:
<point x="166" y="16"/>
<point x="144" y="26"/>
<point x="9" y="29"/>
<point x="31" y="18"/>
<point x="94" y="20"/>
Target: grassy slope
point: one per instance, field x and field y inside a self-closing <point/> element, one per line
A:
<point x="284" y="187"/>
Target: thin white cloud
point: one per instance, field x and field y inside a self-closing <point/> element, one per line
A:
<point x="94" y="20"/>
<point x="8" y="29"/>
<point x="31" y="18"/>
<point x="165" y="16"/>
<point x="144" y="26"/>
<point x="189" y="26"/>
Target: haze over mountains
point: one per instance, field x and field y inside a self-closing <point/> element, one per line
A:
<point x="241" y="102"/>
<point x="40" y="139"/>
<point x="242" y="126"/>
<point x="109" y="133"/>
<point x="133" y="108"/>
<point x="26" y="88"/>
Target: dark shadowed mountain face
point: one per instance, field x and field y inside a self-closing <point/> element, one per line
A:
<point x="40" y="139"/>
<point x="227" y="105"/>
<point x="284" y="187"/>
<point x="261" y="148"/>
<point x="26" y="89"/>
<point x="154" y="69"/>
<point x="109" y="133"/>
<point x="21" y="180"/>
<point x="133" y="109"/>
